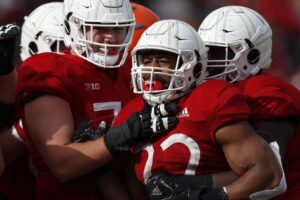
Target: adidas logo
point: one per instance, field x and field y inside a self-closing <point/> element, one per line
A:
<point x="156" y="192"/>
<point x="184" y="113"/>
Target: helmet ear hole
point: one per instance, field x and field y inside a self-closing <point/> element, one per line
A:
<point x="33" y="48"/>
<point x="253" y="56"/>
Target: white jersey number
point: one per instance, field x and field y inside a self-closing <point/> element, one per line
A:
<point x="191" y="144"/>
<point x="114" y="105"/>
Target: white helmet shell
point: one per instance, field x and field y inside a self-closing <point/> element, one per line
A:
<point x="244" y="32"/>
<point x="179" y="38"/>
<point x="82" y="16"/>
<point x="43" y="30"/>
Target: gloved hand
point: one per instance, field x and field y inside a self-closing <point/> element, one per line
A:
<point x="85" y="132"/>
<point x="8" y="34"/>
<point x="158" y="118"/>
<point x="141" y="125"/>
<point x="162" y="185"/>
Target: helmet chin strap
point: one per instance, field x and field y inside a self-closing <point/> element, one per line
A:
<point x="104" y="60"/>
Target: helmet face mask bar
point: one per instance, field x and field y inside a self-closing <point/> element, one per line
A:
<point x="151" y="80"/>
<point x="146" y="79"/>
<point x="45" y="42"/>
<point x="181" y="58"/>
<point x="223" y="59"/>
<point x="102" y="54"/>
<point x="56" y="43"/>
<point x="101" y="33"/>
<point x="43" y="31"/>
<point x="246" y="39"/>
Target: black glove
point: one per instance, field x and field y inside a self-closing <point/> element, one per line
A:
<point x="8" y="35"/>
<point x="158" y="118"/>
<point x="85" y="132"/>
<point x="140" y="126"/>
<point x="166" y="186"/>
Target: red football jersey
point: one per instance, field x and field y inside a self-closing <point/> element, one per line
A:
<point x="191" y="147"/>
<point x="17" y="181"/>
<point x="92" y="92"/>
<point x="271" y="98"/>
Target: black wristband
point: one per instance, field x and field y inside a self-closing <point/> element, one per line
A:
<point x="194" y="181"/>
<point x="214" y="194"/>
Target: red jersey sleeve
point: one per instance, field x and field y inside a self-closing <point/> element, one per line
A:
<point x="231" y="107"/>
<point x="218" y="103"/>
<point x="38" y="75"/>
<point x="271" y="98"/>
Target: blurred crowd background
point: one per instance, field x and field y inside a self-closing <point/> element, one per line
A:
<point x="283" y="16"/>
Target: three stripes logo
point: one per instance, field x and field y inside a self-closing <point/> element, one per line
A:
<point x="184" y="113"/>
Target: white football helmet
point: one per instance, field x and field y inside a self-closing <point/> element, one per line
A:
<point x="239" y="41"/>
<point x="83" y="18"/>
<point x="43" y="30"/>
<point x="173" y="37"/>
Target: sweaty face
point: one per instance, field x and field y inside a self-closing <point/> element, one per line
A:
<point x="107" y="36"/>
<point x="159" y="77"/>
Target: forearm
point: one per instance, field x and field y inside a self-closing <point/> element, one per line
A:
<point x="12" y="148"/>
<point x="76" y="159"/>
<point x="250" y="157"/>
<point x="255" y="179"/>
<point x="224" y="178"/>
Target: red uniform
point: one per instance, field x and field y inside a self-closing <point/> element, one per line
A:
<point x="191" y="148"/>
<point x="18" y="175"/>
<point x="271" y="98"/>
<point x="91" y="92"/>
<point x="17" y="181"/>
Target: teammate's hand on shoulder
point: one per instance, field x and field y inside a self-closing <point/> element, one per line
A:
<point x="158" y="118"/>
<point x="140" y="126"/>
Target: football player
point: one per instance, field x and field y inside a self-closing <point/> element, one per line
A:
<point x="240" y="46"/>
<point x="144" y="17"/>
<point x="213" y="135"/>
<point x="60" y="93"/>
<point x="42" y="31"/>
<point x="8" y="35"/>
